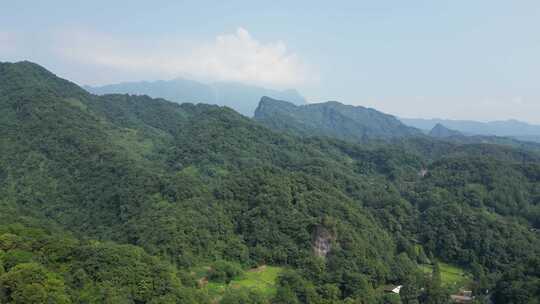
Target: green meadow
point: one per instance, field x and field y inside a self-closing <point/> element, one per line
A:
<point x="261" y="280"/>
<point x="452" y="276"/>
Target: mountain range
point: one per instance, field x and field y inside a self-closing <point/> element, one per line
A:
<point x="240" y="97"/>
<point x="361" y="125"/>
<point x="509" y="128"/>
<point x="331" y="119"/>
<point x="130" y="199"/>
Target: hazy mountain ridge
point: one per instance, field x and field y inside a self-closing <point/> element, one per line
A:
<point x="510" y="128"/>
<point x="360" y="124"/>
<point x="332" y="119"/>
<point x="240" y="97"/>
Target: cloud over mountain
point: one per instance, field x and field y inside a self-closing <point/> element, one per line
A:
<point x="235" y="57"/>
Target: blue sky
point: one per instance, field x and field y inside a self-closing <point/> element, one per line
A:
<point x="447" y="59"/>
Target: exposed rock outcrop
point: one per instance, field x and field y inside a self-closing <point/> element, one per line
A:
<point x="322" y="241"/>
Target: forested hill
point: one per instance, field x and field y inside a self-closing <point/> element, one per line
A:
<point x="331" y="119"/>
<point x="129" y="199"/>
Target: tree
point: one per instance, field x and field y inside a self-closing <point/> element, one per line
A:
<point x="410" y="292"/>
<point x="435" y="293"/>
<point x="223" y="271"/>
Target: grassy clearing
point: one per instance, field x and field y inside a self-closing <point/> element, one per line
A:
<point x="261" y="279"/>
<point x="451" y="276"/>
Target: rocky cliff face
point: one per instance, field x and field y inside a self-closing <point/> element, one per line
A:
<point x="322" y="241"/>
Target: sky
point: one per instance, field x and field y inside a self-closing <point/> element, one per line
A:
<point x="458" y="59"/>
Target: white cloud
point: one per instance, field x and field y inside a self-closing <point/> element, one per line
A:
<point x="230" y="57"/>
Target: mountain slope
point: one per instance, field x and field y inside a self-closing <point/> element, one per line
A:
<point x="242" y="98"/>
<point x="189" y="183"/>
<point x="146" y="200"/>
<point x="331" y="119"/>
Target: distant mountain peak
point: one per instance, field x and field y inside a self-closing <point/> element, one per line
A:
<point x="508" y="128"/>
<point x="440" y="131"/>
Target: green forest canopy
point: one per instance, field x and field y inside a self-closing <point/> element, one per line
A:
<point x="120" y="198"/>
